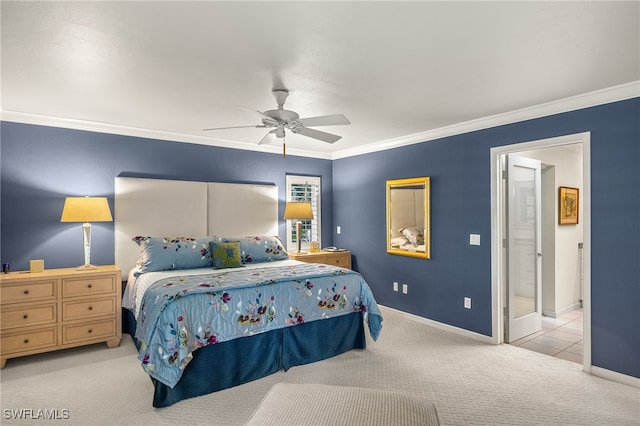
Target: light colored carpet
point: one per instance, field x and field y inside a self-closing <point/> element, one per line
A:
<point x="311" y="404"/>
<point x="468" y="381"/>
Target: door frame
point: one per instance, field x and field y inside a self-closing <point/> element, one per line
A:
<point x="498" y="258"/>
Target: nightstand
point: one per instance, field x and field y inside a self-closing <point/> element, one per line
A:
<point x="59" y="309"/>
<point x="336" y="258"/>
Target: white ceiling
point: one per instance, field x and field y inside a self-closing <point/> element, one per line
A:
<point x="397" y="70"/>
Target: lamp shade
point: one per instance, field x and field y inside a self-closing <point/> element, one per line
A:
<point x="298" y="210"/>
<point x="86" y="209"/>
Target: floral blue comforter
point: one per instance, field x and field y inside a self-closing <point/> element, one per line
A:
<point x="181" y="314"/>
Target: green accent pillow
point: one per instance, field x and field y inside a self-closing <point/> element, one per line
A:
<point x="226" y="255"/>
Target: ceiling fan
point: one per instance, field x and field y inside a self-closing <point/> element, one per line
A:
<point x="280" y="119"/>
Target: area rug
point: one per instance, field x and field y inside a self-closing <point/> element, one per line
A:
<point x="316" y="404"/>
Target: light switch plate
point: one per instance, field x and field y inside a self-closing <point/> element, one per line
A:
<point x="474" y="239"/>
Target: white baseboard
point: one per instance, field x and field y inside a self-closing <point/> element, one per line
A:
<point x="615" y="376"/>
<point x="443" y="326"/>
<point x="561" y="312"/>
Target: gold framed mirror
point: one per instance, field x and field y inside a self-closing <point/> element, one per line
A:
<point x="408" y="228"/>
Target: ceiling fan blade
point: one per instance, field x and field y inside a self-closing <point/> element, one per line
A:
<point x="258" y="113"/>
<point x="324" y="120"/>
<point x="317" y="134"/>
<point x="268" y="138"/>
<point x="234" y="127"/>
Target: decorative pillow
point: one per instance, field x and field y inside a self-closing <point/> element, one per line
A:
<point x="226" y="255"/>
<point x="415" y="235"/>
<point x="168" y="253"/>
<point x="260" y="249"/>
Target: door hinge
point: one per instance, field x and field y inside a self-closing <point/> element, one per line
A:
<point x="504" y="174"/>
<point x="504" y="243"/>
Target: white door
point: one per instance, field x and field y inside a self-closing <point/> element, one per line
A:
<point x="524" y="245"/>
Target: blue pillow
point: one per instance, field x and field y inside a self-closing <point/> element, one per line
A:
<point x="168" y="253"/>
<point x="260" y="249"/>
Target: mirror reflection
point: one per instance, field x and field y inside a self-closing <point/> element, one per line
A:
<point x="408" y="232"/>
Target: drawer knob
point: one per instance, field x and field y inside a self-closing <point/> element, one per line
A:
<point x="25" y="316"/>
<point x="26" y="291"/>
<point x="90" y="331"/>
<point x="26" y="341"/>
<point x="91" y="308"/>
<point x="89" y="285"/>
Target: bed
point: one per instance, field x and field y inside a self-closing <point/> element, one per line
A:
<point x="209" y="310"/>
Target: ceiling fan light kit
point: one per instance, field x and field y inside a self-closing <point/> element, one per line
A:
<point x="280" y="119"/>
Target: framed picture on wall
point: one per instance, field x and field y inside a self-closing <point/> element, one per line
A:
<point x="568" y="205"/>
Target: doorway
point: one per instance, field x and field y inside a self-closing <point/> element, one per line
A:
<point x="500" y="270"/>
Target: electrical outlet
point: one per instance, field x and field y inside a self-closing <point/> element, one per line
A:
<point x="395" y="286"/>
<point x="405" y="288"/>
<point x="467" y="302"/>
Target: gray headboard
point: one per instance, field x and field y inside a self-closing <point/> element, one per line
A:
<point x="158" y="207"/>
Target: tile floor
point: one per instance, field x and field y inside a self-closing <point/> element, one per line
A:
<point x="560" y="337"/>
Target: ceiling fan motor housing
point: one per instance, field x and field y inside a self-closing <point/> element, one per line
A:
<point x="282" y="118"/>
<point x="281" y="115"/>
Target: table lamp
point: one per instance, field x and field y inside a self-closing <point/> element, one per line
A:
<point x="86" y="209"/>
<point x="295" y="210"/>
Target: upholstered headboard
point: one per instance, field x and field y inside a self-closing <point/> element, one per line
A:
<point x="158" y="207"/>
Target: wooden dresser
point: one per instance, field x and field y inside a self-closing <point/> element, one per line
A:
<point x="336" y="258"/>
<point x="59" y="308"/>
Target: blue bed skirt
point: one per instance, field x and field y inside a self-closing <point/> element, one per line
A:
<point x="228" y="364"/>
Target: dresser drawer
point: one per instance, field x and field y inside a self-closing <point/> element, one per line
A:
<point x="28" y="315"/>
<point x="28" y="292"/>
<point x="73" y="287"/>
<point x="27" y="341"/>
<point x="314" y="259"/>
<point x="88" y="331"/>
<point x="338" y="260"/>
<point x="88" y="308"/>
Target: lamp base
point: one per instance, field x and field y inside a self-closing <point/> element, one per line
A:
<point x="86" y="267"/>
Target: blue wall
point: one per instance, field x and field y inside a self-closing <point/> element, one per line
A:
<point x="41" y="165"/>
<point x="459" y="167"/>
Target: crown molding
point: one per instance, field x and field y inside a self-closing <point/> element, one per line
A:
<point x="598" y="97"/>
<point x="115" y="129"/>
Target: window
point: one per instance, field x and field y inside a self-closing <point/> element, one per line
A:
<point x="304" y="188"/>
